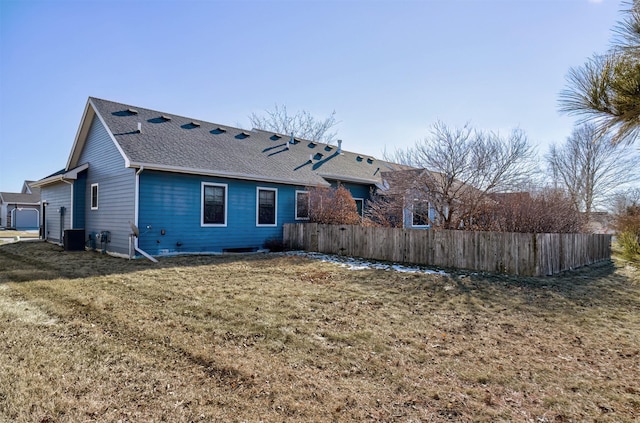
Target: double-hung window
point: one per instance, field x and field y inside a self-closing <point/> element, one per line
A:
<point x="214" y="204"/>
<point x="302" y="205"/>
<point x="267" y="209"/>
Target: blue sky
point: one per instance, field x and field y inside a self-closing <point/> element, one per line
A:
<point x="389" y="69"/>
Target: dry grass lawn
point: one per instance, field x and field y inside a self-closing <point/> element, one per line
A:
<point x="86" y="337"/>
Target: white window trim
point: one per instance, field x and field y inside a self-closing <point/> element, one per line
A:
<point x="258" y="189"/>
<point x="428" y="225"/>
<point x="296" y="204"/>
<point x="91" y="196"/>
<point x="226" y="205"/>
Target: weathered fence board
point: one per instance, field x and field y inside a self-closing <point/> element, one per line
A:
<point x="512" y="253"/>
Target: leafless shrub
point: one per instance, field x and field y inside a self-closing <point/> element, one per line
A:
<point x="627" y="225"/>
<point x="383" y="210"/>
<point x="546" y="211"/>
<point x="333" y="206"/>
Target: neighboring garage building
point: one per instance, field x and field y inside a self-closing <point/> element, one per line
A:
<point x="20" y="210"/>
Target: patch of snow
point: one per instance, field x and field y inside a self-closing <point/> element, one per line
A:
<point x="362" y="264"/>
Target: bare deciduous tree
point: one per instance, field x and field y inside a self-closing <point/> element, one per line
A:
<point x="302" y="124"/>
<point x="460" y="168"/>
<point x="606" y="89"/>
<point x="590" y="167"/>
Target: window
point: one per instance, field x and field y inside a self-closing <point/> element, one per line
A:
<point x="214" y="204"/>
<point x="267" y="198"/>
<point x="420" y="213"/>
<point x="94" y="196"/>
<point x="302" y="205"/>
<point x="359" y="206"/>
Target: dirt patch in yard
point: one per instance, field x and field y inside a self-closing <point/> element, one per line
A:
<point x="88" y="337"/>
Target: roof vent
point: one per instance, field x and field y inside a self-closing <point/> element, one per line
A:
<point x="328" y="148"/>
<point x="318" y="156"/>
<point x="275" y="137"/>
<point x="370" y="160"/>
<point x="339" y="146"/>
<point x="293" y="140"/>
<point x="359" y="158"/>
<point x="132" y="111"/>
<point x="139" y="127"/>
<point x="245" y="133"/>
<point x="194" y="123"/>
<point x="311" y="145"/>
<point x="165" y="117"/>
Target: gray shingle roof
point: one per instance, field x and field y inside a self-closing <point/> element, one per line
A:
<point x="19" y="198"/>
<point x="186" y="144"/>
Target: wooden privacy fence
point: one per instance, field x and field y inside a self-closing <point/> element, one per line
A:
<point x="504" y="252"/>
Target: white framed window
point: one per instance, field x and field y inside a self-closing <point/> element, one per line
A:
<point x="420" y="212"/>
<point x="213" y="208"/>
<point x="94" y="196"/>
<point x="302" y="205"/>
<point x="266" y="206"/>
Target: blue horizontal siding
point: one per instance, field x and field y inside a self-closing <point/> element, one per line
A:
<point x="171" y="204"/>
<point x="56" y="196"/>
<point x="116" y="189"/>
<point x="170" y="214"/>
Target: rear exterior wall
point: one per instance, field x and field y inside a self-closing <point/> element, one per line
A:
<point x="170" y="215"/>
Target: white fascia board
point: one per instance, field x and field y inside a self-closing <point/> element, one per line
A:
<point x="81" y="134"/>
<point x="223" y="174"/>
<point x="70" y="175"/>
<point x="83" y="131"/>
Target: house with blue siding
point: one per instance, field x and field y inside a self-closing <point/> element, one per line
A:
<point x="140" y="181"/>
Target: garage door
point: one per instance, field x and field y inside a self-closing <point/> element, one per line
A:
<point x="26" y="219"/>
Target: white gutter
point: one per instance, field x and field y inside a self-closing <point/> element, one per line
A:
<point x="71" y="175"/>
<point x="136" y="202"/>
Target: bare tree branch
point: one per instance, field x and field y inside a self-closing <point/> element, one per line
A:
<point x="461" y="167"/>
<point x="302" y="124"/>
<point x="590" y="167"/>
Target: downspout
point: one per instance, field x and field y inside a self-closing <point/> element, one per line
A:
<point x="135" y="217"/>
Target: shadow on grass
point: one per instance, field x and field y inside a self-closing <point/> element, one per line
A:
<point x="37" y="260"/>
<point x="598" y="285"/>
